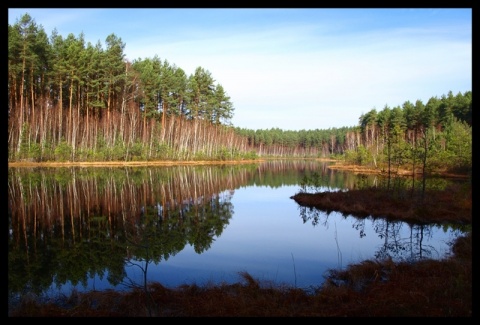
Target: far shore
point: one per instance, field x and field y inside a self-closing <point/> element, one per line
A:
<point x="124" y="163"/>
<point x="356" y="169"/>
<point x="138" y="163"/>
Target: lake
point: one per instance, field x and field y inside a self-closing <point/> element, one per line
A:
<point x="102" y="228"/>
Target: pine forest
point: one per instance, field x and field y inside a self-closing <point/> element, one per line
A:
<point x="78" y="102"/>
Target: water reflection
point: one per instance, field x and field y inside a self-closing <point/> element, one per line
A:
<point x="90" y="226"/>
<point x="400" y="241"/>
<point x="70" y="224"/>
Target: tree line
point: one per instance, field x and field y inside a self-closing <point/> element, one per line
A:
<point x="446" y="120"/>
<point x="68" y="100"/>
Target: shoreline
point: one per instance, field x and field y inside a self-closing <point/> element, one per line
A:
<point x="356" y="169"/>
<point x="20" y="164"/>
<point x="15" y="164"/>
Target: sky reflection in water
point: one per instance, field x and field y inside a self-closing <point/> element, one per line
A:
<point x="267" y="238"/>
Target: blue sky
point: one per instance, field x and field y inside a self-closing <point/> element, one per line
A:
<point x="293" y="69"/>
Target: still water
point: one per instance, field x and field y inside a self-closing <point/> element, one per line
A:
<point x="101" y="228"/>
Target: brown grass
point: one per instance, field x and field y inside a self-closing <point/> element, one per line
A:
<point x="453" y="205"/>
<point x="402" y="171"/>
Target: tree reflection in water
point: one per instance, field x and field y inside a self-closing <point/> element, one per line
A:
<point x="395" y="247"/>
<point x="74" y="225"/>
